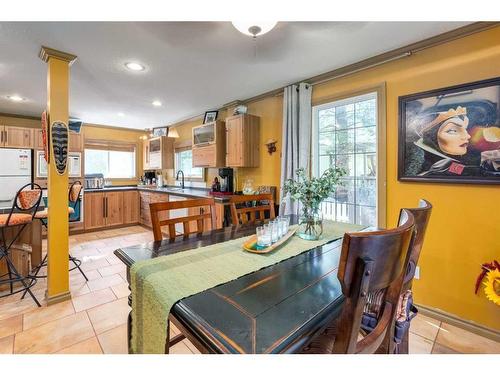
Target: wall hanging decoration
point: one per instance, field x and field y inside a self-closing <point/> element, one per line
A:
<point x="210" y="116"/>
<point x="159" y="132"/>
<point x="271" y="145"/>
<point x="490" y="272"/>
<point x="59" y="134"/>
<point x="451" y="134"/>
<point x="45" y="137"/>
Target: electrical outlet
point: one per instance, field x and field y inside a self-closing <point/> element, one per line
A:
<point x="417" y="273"/>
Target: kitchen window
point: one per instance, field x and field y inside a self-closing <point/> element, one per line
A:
<point x="184" y="161"/>
<point x="113" y="160"/>
<point x="345" y="135"/>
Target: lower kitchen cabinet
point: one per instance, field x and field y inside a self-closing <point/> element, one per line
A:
<point x="131" y="207"/>
<point x="93" y="206"/>
<point x="112" y="208"/>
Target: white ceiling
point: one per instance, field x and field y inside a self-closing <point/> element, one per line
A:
<point x="192" y="67"/>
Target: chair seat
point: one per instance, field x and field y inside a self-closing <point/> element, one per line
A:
<point x="45" y="213"/>
<point x="15" y="219"/>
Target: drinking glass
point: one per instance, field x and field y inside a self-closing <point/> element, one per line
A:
<point x="284" y="225"/>
<point x="260" y="235"/>
<point x="266" y="235"/>
<point x="273" y="225"/>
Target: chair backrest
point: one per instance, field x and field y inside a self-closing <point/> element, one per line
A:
<point x="157" y="208"/>
<point x="371" y="262"/>
<point x="247" y="214"/>
<point x="27" y="200"/>
<point x="421" y="214"/>
<point x="74" y="200"/>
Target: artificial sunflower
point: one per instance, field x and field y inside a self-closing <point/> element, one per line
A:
<point x="492" y="286"/>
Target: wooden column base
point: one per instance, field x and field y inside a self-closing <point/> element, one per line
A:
<point x="57" y="298"/>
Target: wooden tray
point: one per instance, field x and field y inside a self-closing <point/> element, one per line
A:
<point x="251" y="244"/>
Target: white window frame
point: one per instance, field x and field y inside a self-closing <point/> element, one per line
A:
<point x="378" y="92"/>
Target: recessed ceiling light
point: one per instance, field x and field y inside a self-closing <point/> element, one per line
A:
<point x="157" y="103"/>
<point x="15" y="98"/>
<point x="135" y="66"/>
<point x="121" y="114"/>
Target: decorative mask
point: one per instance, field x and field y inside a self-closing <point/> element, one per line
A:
<point x="59" y="135"/>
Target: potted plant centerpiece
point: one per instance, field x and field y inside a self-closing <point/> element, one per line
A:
<point x="310" y="192"/>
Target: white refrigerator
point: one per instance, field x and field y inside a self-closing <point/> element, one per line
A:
<point x="15" y="171"/>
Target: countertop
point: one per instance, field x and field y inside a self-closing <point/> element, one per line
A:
<point x="172" y="190"/>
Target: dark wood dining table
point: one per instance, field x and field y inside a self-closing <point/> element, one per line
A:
<point x="277" y="309"/>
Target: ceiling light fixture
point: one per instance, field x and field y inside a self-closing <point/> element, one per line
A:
<point x="121" y="114"/>
<point x="135" y="66"/>
<point x="156" y="103"/>
<point x="15" y="98"/>
<point x="254" y="29"/>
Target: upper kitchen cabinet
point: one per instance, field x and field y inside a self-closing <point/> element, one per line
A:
<point x="18" y="137"/>
<point x="242" y="141"/>
<point x="209" y="145"/>
<point x="158" y="153"/>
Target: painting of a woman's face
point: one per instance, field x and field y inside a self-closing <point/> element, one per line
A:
<point x="453" y="138"/>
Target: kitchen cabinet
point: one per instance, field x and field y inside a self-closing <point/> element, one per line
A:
<point x="146" y="198"/>
<point x="242" y="141"/>
<point x="15" y="136"/>
<point x="94" y="215"/>
<point x="111" y="208"/>
<point x="131" y="207"/>
<point x="158" y="153"/>
<point x="209" y="145"/>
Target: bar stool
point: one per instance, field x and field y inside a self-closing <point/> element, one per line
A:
<point x="22" y="213"/>
<point x="74" y="200"/>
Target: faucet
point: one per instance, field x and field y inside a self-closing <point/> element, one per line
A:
<point x="177" y="178"/>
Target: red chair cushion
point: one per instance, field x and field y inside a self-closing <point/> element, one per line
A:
<point x="15" y="219"/>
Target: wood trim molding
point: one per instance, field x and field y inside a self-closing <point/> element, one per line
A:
<point x="46" y="53"/>
<point x="57" y="298"/>
<point x="459" y="322"/>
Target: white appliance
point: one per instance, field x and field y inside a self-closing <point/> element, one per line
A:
<point x="15" y="172"/>
<point x="74" y="164"/>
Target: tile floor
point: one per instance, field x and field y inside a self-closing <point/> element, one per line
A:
<point x="94" y="321"/>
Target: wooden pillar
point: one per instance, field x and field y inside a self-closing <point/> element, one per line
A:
<point x="58" y="64"/>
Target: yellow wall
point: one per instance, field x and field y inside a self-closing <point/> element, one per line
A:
<point x="464" y="231"/>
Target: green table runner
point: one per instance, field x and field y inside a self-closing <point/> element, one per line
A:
<point x="157" y="284"/>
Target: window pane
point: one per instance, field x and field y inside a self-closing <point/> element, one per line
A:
<point x="366" y="165"/>
<point x="96" y="161"/>
<point x="326" y="120"/>
<point x="366" y="139"/>
<point x="121" y="164"/>
<point x="366" y="113"/>
<point x="325" y="161"/>
<point x="326" y="143"/>
<point x="344" y="116"/>
<point x="345" y="192"/>
<point x="366" y="191"/>
<point x="345" y="141"/>
<point x="184" y="162"/>
<point x="366" y="216"/>
<point x="346" y="161"/>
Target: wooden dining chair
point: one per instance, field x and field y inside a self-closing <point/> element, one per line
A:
<point x="370" y="262"/>
<point x="164" y="207"/>
<point x="242" y="213"/>
<point x="421" y="214"/>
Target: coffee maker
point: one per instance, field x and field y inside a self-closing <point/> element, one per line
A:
<point x="226" y="175"/>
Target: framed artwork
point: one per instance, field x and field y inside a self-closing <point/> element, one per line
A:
<point x="210" y="116"/>
<point x="158" y="132"/>
<point x="451" y="134"/>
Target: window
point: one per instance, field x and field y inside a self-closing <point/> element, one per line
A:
<point x="345" y="135"/>
<point x="111" y="163"/>
<point x="184" y="161"/>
